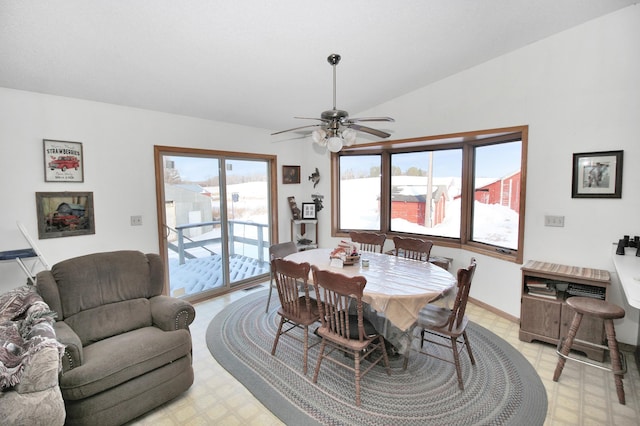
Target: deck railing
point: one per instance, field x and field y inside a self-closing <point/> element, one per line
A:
<point x="237" y="235"/>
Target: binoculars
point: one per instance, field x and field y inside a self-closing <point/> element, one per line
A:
<point x="627" y="242"/>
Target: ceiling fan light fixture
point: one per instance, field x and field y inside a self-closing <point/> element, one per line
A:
<point x="335" y="132"/>
<point x="349" y="136"/>
<point x="334" y="144"/>
<point x="319" y="136"/>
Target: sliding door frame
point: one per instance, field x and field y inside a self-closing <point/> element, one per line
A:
<point x="159" y="152"/>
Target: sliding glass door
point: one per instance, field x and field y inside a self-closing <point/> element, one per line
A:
<point x="215" y="213"/>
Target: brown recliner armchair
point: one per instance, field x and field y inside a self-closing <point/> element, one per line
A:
<point x="128" y="347"/>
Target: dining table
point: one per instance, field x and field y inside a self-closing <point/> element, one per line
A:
<point x="396" y="290"/>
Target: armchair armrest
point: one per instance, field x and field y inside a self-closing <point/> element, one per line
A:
<point x="169" y="313"/>
<point x="72" y="357"/>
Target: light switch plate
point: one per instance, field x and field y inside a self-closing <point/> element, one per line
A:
<point x="557" y="221"/>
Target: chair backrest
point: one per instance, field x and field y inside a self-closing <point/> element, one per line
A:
<point x="465" y="276"/>
<point x="100" y="295"/>
<point x="368" y="241"/>
<point x="412" y="248"/>
<point x="282" y="249"/>
<point x="288" y="277"/>
<point x="337" y="291"/>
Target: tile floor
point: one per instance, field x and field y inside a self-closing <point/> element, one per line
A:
<point x="582" y="396"/>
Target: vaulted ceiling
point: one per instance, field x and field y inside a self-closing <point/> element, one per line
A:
<point x="262" y="62"/>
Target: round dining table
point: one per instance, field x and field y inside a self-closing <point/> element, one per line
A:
<point x="396" y="287"/>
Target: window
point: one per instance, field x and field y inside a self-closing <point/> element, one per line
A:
<point x="360" y="192"/>
<point x="496" y="191"/>
<point x="424" y="185"/>
<point x="462" y="190"/>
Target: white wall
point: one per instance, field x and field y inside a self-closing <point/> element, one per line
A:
<point x="118" y="154"/>
<point x="578" y="92"/>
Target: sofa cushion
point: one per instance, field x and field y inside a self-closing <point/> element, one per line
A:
<point x="97" y="279"/>
<point x="115" y="360"/>
<point x="105" y="321"/>
<point x="25" y="329"/>
<point x="12" y="355"/>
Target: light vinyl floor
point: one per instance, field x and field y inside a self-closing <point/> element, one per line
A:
<point x="583" y="395"/>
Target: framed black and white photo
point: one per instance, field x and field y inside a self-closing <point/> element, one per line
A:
<point x="63" y="161"/>
<point x="597" y="175"/>
<point x="308" y="210"/>
<point x="64" y="214"/>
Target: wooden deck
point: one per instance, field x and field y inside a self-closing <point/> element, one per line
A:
<point x="205" y="273"/>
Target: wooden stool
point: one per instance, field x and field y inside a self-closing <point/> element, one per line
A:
<point x="599" y="309"/>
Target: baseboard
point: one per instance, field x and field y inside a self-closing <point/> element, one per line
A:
<point x="492" y="309"/>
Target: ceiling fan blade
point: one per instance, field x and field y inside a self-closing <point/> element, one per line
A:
<point x="296" y="128"/>
<point x="375" y="132"/>
<point x="312" y="118"/>
<point x="372" y="119"/>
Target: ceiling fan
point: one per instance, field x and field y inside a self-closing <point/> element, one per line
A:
<point x="337" y="129"/>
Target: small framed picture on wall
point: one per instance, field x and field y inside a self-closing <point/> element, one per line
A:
<point x="63" y="161"/>
<point x="309" y="211"/>
<point x="597" y="175"/>
<point x="290" y="174"/>
<point x="64" y="214"/>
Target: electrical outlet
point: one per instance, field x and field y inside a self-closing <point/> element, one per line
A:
<point x="136" y="220"/>
<point x="557" y="221"/>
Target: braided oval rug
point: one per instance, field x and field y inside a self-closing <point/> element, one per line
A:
<point x="501" y="389"/>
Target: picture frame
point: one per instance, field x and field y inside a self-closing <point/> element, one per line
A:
<point x="309" y="211"/>
<point x="290" y="174"/>
<point x="295" y="211"/>
<point x="63" y="161"/>
<point x="64" y="214"/>
<point x="597" y="175"/>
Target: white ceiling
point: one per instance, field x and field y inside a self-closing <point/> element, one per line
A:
<point x="262" y="62"/>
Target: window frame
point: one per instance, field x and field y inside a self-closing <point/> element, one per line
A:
<point x="467" y="141"/>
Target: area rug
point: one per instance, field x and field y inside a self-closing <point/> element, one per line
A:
<point x="501" y="389"/>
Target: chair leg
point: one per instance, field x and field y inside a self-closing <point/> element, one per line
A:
<point x="306" y="349"/>
<point x="269" y="298"/>
<point x="278" y="333"/>
<point x="386" y="357"/>
<point x="405" y="363"/>
<point x="616" y="365"/>
<point x="356" y="356"/>
<point x="468" y="346"/>
<point x="456" y="361"/>
<point x="320" y="356"/>
<point x="566" y="347"/>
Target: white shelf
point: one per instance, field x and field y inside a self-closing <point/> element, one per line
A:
<point x="308" y="229"/>
<point x="628" y="269"/>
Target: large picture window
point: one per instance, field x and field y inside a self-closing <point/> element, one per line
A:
<point x="462" y="190"/>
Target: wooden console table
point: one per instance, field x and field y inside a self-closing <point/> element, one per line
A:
<point x="547" y="317"/>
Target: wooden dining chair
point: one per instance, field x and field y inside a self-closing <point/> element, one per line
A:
<point x="412" y="248"/>
<point x="295" y="311"/>
<point x="349" y="333"/>
<point x="368" y="241"/>
<point x="275" y="251"/>
<point x="444" y="326"/>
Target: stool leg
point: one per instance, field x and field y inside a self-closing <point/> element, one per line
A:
<point x="615" y="358"/>
<point x="566" y="347"/>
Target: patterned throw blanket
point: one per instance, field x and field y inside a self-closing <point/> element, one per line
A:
<point x="26" y="327"/>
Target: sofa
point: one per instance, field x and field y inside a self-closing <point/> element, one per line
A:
<point x="30" y="359"/>
<point x="127" y="346"/>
